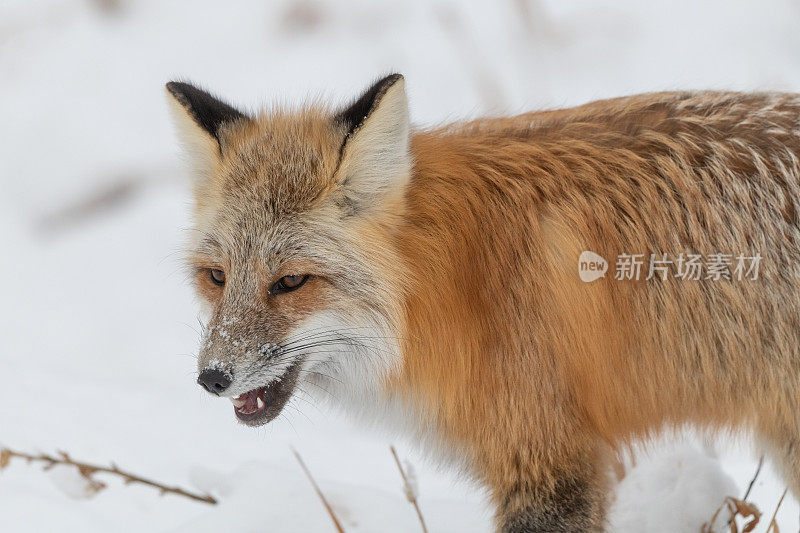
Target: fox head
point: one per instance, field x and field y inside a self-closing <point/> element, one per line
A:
<point x="290" y="249"/>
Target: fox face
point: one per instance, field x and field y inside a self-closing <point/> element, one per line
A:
<point x="290" y="251"/>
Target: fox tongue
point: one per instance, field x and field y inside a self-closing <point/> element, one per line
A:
<point x="248" y="403"/>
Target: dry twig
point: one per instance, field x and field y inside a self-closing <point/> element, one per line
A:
<point x="753" y="481"/>
<point x="87" y="470"/>
<point x="411" y="493"/>
<point x="736" y="507"/>
<point x="731" y="523"/>
<point x="739" y="507"/>
<point x="328" y="507"/>
<point x="772" y="523"/>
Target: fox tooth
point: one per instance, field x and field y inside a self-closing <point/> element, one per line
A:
<point x="237" y="402"/>
<point x="259" y="403"/>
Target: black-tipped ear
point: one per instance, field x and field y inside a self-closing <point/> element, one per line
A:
<point x="207" y="111"/>
<point x="375" y="161"/>
<point x="355" y="114"/>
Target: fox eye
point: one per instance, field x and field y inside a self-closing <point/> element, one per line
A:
<point x="218" y="276"/>
<point x="288" y="284"/>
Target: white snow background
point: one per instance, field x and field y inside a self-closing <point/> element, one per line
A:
<point x="98" y="325"/>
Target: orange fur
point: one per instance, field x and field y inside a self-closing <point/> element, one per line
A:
<point x="526" y="367"/>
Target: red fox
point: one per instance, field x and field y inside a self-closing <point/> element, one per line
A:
<point x="431" y="279"/>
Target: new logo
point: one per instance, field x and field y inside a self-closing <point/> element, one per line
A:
<point x="591" y="266"/>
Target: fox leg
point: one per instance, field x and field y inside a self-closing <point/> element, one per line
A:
<point x="786" y="457"/>
<point x="570" y="502"/>
<point x="780" y="437"/>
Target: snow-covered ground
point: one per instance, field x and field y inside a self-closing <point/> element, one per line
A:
<point x="98" y="326"/>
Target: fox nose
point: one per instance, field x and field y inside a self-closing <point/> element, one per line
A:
<point x="214" y="380"/>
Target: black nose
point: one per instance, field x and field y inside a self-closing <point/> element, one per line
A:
<point x="214" y="380"/>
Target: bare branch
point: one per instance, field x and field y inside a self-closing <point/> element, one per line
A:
<point x="735" y="508"/>
<point x="87" y="470"/>
<point x="755" y="476"/>
<point x="411" y="494"/>
<point x="749" y="488"/>
<point x="328" y="507"/>
<point x="772" y="523"/>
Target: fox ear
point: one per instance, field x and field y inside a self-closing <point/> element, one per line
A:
<point x="375" y="160"/>
<point x="200" y="119"/>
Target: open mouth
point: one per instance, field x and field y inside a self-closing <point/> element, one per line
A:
<point x="263" y="404"/>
